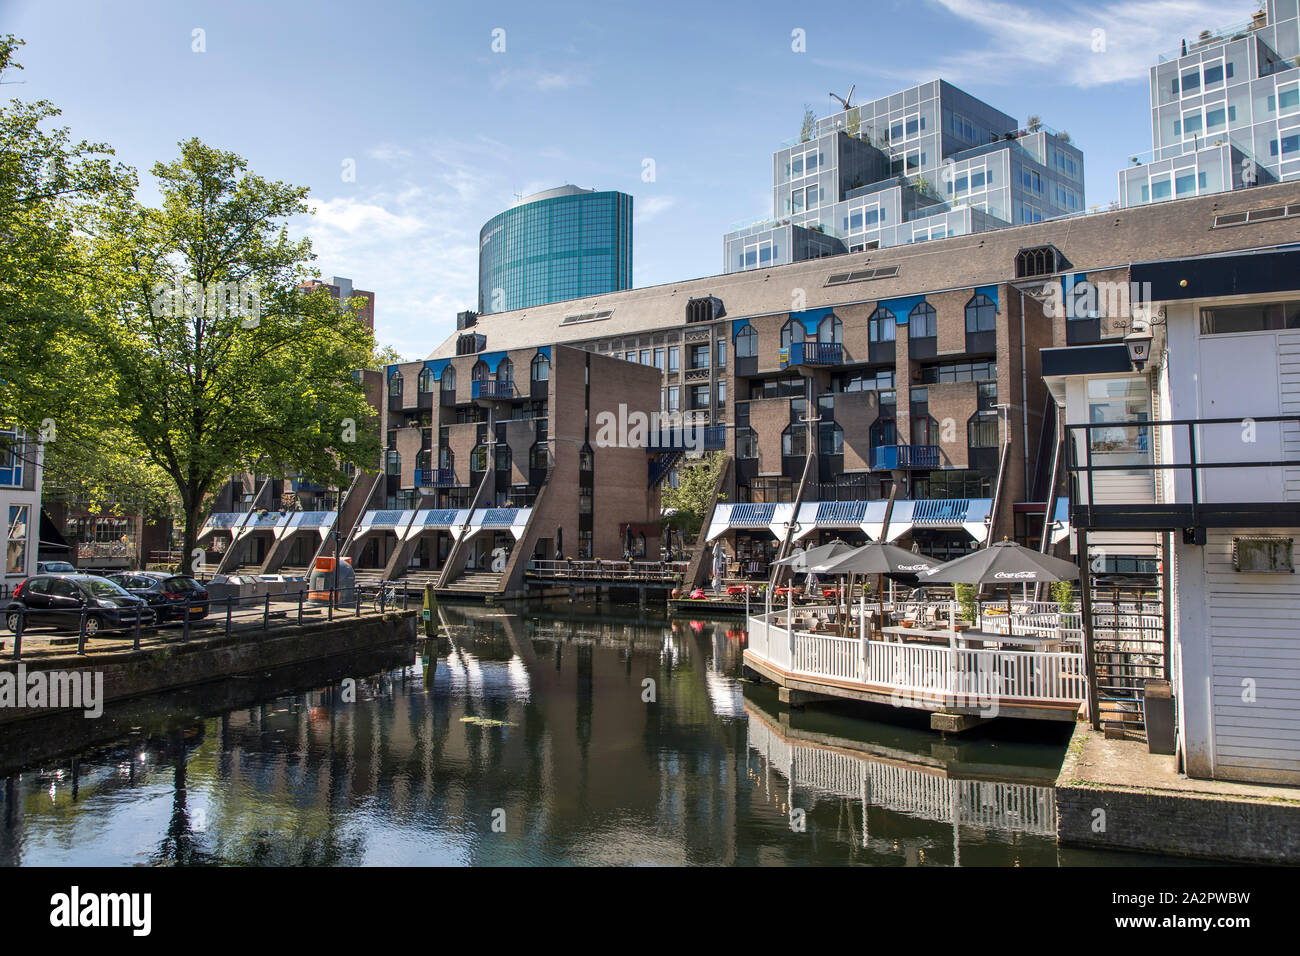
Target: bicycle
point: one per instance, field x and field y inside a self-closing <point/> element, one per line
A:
<point x="385" y="597"/>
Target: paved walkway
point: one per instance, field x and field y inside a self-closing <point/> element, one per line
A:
<point x="1094" y="761"/>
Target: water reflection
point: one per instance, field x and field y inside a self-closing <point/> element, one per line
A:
<point x="568" y="735"/>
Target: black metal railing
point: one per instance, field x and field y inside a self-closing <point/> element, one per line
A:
<point x="1143" y="443"/>
<point x="215" y="615"/>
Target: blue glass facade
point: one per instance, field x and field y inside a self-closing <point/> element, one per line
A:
<point x="561" y="244"/>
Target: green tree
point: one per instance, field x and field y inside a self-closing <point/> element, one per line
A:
<point x="48" y="185"/>
<point x="809" y="125"/>
<point x="693" y="497"/>
<point x="385" y="355"/>
<point x="217" y="360"/>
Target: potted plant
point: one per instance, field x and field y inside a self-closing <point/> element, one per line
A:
<point x="965" y="595"/>
<point x="1063" y="595"/>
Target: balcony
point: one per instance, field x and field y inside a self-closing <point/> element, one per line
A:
<point x="812" y="353"/>
<point x="435" y="478"/>
<point x="493" y="389"/>
<point x="905" y="458"/>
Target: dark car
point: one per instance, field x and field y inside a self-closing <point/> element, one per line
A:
<point x="54" y="567"/>
<point x="166" y="594"/>
<point x="58" y="600"/>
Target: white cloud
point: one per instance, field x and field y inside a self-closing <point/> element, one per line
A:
<point x="543" y="81"/>
<point x="1083" y="47"/>
<point x="644" y="210"/>
<point x="352" y="217"/>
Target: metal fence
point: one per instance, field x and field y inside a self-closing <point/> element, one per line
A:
<point x="210" y="616"/>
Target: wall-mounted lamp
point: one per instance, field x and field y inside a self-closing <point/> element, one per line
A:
<point x="1138" y="343"/>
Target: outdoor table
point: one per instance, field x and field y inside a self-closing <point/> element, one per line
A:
<point x="736" y="589"/>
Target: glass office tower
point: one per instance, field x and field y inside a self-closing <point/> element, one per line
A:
<point x="563" y="243"/>
<point x="1225" y="111"/>
<point x="924" y="163"/>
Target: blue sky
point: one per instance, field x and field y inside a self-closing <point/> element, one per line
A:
<point x="444" y="132"/>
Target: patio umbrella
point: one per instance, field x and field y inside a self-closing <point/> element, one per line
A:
<point x="879" y="559"/>
<point x="876" y="558"/>
<point x="805" y="560"/>
<point x="1003" y="563"/>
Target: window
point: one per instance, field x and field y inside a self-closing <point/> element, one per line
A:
<point x="921" y="323"/>
<point x="481" y="373"/>
<point x="674" y="358"/>
<point x="424" y="384"/>
<point x="584" y="501"/>
<point x="394" y="463"/>
<point x="16" y="540"/>
<point x="395" y="385"/>
<point x="747" y="343"/>
<point x="722" y="394"/>
<point x="506" y="371"/>
<point x="698" y="356"/>
<point x="699" y="396"/>
<point x="794" y="441"/>
<point x="981" y="314"/>
<point x="503" y="456"/>
<point x="1260" y="317"/>
<point x="925" y="431"/>
<point x="958" y="372"/>
<point x="830" y="439"/>
<point x="674" y="402"/>
<point x="541" y="368"/>
<point x="538" y="460"/>
<point x="659" y="359"/>
<point x="449" y="379"/>
<point x="1119" y="400"/>
<point x="746" y="443"/>
<point x="831" y="330"/>
<point x="982" y="430"/>
<point x="721" y="351"/>
<point x="478" y="459"/>
<point x="793" y="331"/>
<point x="645" y="357"/>
<point x="586" y="460"/>
<point x="880" y="327"/>
<point x="446" y="458"/>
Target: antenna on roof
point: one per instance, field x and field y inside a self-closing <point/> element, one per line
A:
<point x="846" y="100"/>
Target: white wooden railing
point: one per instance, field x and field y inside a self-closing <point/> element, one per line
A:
<point x="923" y="672"/>
<point x="915" y="791"/>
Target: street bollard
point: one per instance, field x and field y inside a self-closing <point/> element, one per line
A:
<point x="357" y="593"/>
<point x="266" y="612"/>
<point x="331" y="612"/>
<point x="18" y="637"/>
<point x="185" y="622"/>
<point x="135" y="645"/>
<point x="300" y="594"/>
<point x="81" y="635"/>
<point x="229" y="598"/>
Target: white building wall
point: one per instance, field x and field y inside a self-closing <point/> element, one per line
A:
<point x="1236" y="635"/>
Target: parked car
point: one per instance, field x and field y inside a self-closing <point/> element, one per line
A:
<point x="165" y="593"/>
<point x="58" y="600"/>
<point x="54" y="567"/>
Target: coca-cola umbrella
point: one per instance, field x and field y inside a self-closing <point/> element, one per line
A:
<point x="880" y="559"/>
<point x="805" y="560"/>
<point x="1004" y="562"/>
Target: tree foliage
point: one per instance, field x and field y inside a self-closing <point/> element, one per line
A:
<point x="48" y="185"/>
<point x="694" y="494"/>
<point x="219" y="361"/>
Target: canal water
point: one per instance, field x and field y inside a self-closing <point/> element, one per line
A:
<point x="563" y="734"/>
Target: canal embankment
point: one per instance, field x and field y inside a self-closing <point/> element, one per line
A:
<point x="171" y="660"/>
<point x="1115" y="795"/>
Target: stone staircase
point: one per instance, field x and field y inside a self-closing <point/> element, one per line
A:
<point x="472" y="584"/>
